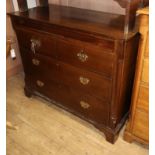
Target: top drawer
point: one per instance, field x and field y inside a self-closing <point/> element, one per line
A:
<point x="98" y="58"/>
<point x="37" y="42"/>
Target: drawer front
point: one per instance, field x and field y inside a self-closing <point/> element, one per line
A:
<point x="141" y="125"/>
<point x="37" y="42"/>
<point x="82" y="55"/>
<point x="143" y="98"/>
<point x="39" y="65"/>
<point x="86" y="56"/>
<point x="145" y="71"/>
<point x="86" y="82"/>
<point x="79" y="103"/>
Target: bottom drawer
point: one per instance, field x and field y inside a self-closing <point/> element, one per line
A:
<point x="77" y="102"/>
<point x="141" y="125"/>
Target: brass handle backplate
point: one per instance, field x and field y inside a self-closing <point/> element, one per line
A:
<point x="34" y="45"/>
<point x="35" y="62"/>
<point x="83" y="80"/>
<point x="82" y="56"/>
<point x="84" y="104"/>
<point x="40" y="83"/>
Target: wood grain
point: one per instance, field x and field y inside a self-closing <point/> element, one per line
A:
<point x="145" y="71"/>
<point x="75" y="19"/>
<point x="143" y="98"/>
<point x="42" y="2"/>
<point x="138" y="125"/>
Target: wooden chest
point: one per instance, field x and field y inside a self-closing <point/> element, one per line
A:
<point x="138" y="124"/>
<point x="83" y="66"/>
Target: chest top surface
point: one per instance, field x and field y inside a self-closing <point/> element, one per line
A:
<point x="93" y="22"/>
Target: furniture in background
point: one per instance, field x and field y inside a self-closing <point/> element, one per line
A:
<point x="81" y="60"/>
<point x="138" y="124"/>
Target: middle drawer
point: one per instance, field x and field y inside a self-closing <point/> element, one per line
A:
<point x="88" y="82"/>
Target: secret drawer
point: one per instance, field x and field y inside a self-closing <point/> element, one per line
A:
<point x="86" y="56"/>
<point x="77" y="102"/>
<point x="36" y="42"/>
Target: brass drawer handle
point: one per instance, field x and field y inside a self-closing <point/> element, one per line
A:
<point x="34" y="45"/>
<point x="40" y="83"/>
<point x="35" y="62"/>
<point x="84" y="104"/>
<point x="83" y="80"/>
<point x="82" y="56"/>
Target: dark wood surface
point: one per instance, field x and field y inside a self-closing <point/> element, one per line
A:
<point x="95" y="22"/>
<point x="68" y="75"/>
<point x="58" y="47"/>
<point x="97" y="112"/>
<point x="43" y="2"/>
<point x="88" y="72"/>
<point x="45" y="42"/>
<point x="145" y="2"/>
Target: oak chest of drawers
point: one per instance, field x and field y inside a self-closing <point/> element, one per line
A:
<point x="138" y="124"/>
<point x="79" y="65"/>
